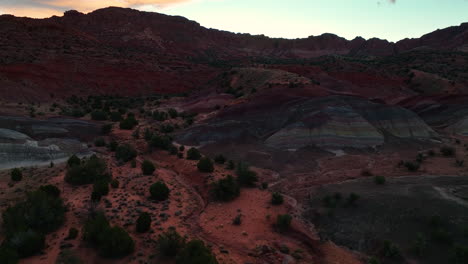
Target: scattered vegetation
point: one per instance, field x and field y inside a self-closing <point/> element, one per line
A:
<point x="245" y="176"/>
<point x="125" y="153"/>
<point x="193" y="154"/>
<point x="143" y="222"/>
<point x="276" y="198"/>
<point x="283" y="222"/>
<point x="16" y="175"/>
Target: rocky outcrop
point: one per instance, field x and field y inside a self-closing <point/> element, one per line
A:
<point x="31" y="142"/>
<point x="326" y="122"/>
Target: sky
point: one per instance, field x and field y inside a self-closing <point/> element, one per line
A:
<point x="387" y="19"/>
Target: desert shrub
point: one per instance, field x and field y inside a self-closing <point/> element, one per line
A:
<point x="112" y="146"/>
<point x="106" y="129"/>
<point x="193" y="154"/>
<point x="160" y="142"/>
<point x="283" y="222"/>
<point x="160" y="116"/>
<point x="8" y="255"/>
<point x="91" y="170"/>
<point x="133" y="163"/>
<point x="72" y="233"/>
<point x="143" y="223"/>
<point x="220" y="159"/>
<point x="40" y="211"/>
<point x="173" y="150"/>
<point x="128" y="123"/>
<point x="391" y="250"/>
<point x="99" y="142"/>
<point x="125" y="153"/>
<point x="225" y="189"/>
<point x="182" y="148"/>
<point x="237" y="220"/>
<point x="99" y="115"/>
<point x="195" y="252"/>
<point x="459" y="163"/>
<point x="16" y="175"/>
<point x="115" y="242"/>
<point x="173" y="113"/>
<point x="373" y="260"/>
<point x="205" y="165"/>
<point x="166" y="128"/>
<point x="366" y="173"/>
<point x="115" y="116"/>
<point x="460" y="254"/>
<point x="411" y="166"/>
<point x="170" y="243"/>
<point x="51" y="190"/>
<point x="93" y="227"/>
<point x="68" y="257"/>
<point x="73" y="161"/>
<point x="147" y="167"/>
<point x="101" y="188"/>
<point x="352" y="199"/>
<point x="379" y="180"/>
<point x="441" y="236"/>
<point x="245" y="176"/>
<point x="447" y="151"/>
<point x="231" y="165"/>
<point x="26" y="222"/>
<point x="159" y="191"/>
<point x="276" y="198"/>
<point x="419" y="245"/>
<point x="264" y="185"/>
<point x="148" y="134"/>
<point x="115" y="184"/>
<point x="27" y="243"/>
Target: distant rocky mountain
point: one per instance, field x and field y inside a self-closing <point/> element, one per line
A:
<point x="116" y="50"/>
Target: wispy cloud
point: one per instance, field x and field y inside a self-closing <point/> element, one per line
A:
<point x="46" y="8"/>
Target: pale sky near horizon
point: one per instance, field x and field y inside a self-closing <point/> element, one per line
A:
<point x="388" y="19"/>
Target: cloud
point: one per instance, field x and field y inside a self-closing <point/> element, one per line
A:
<point x="392" y="1"/>
<point x="47" y="8"/>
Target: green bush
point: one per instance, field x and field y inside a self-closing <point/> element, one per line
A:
<point x="125" y="153"/>
<point x="237" y="220"/>
<point x="99" y="142"/>
<point x="391" y="250"/>
<point x="106" y="129"/>
<point x="283" y="222"/>
<point x="160" y="116"/>
<point x="73" y="161"/>
<point x="98" y="115"/>
<point x="173" y="113"/>
<point x="72" y="233"/>
<point x="225" y="189"/>
<point x="447" y="151"/>
<point x="220" y="159"/>
<point x="231" y="165"/>
<point x="27" y="243"/>
<point x="51" y="190"/>
<point x="16" y="175"/>
<point x="159" y="191"/>
<point x="352" y="198"/>
<point x="205" y="165"/>
<point x="193" y="154"/>
<point x="379" y="180"/>
<point x="114" y="184"/>
<point x="276" y="198"/>
<point x="8" y="255"/>
<point x="112" y="146"/>
<point x="115" y="117"/>
<point x="115" y="242"/>
<point x="411" y="166"/>
<point x="245" y="176"/>
<point x="170" y="243"/>
<point x="147" y="167"/>
<point x="195" y="252"/>
<point x="128" y="123"/>
<point x="91" y="170"/>
<point x="101" y="188"/>
<point x="25" y="223"/>
<point x="143" y="223"/>
<point x="160" y="142"/>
